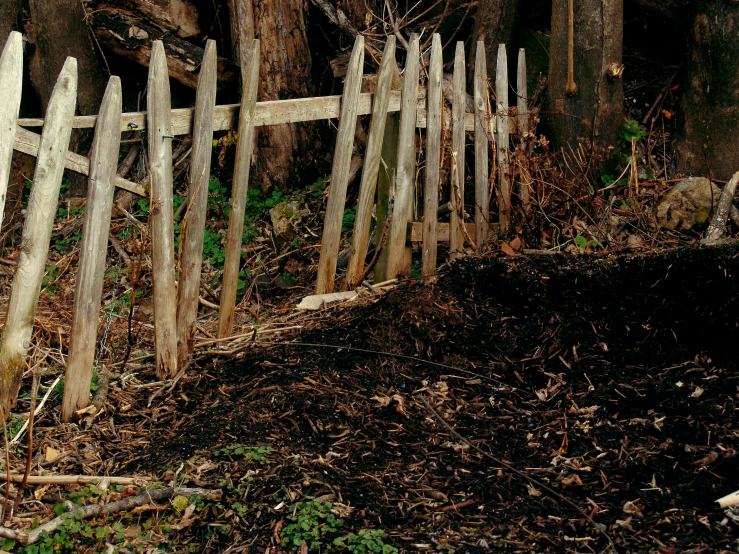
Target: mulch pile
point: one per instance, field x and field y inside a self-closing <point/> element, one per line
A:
<point x="611" y="380"/>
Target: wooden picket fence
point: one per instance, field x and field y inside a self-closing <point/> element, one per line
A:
<point x="388" y="179"/>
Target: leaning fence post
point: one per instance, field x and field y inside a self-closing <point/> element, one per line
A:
<point x="482" y="211"/>
<point x="522" y="103"/>
<point x="234" y="238"/>
<point x="94" y="246"/>
<point x="433" y="160"/>
<point x="501" y="96"/>
<point x="11" y="85"/>
<point x="340" y="171"/>
<point x="193" y="224"/>
<point x="459" y="102"/>
<point x="159" y="133"/>
<point x="42" y="205"/>
<point x="405" y="174"/>
<point x="360" y="237"/>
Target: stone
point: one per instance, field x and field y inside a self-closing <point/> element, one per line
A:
<point x="286" y="217"/>
<point x="689" y="204"/>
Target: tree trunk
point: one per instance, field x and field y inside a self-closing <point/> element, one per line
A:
<point x="495" y="23"/>
<point x="285" y="73"/>
<point x="590" y="105"/>
<point x="179" y="16"/>
<point x="706" y="143"/>
<point x="10" y="18"/>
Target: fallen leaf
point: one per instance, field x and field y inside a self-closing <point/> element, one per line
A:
<point x="51" y="455"/>
<point x="631" y="508"/>
<point x="533" y="491"/>
<point x="507" y="249"/>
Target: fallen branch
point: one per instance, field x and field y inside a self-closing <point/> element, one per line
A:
<point x="73" y="479"/>
<point x="718" y="224"/>
<point x="36" y="411"/>
<point x="93" y="510"/>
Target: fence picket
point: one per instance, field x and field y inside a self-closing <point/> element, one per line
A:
<point x="360" y="237"/>
<point x="244" y="150"/>
<point x="482" y="211"/>
<point x="456" y="242"/>
<point x="42" y="207"/>
<point x="433" y="160"/>
<point x="385" y="184"/>
<point x="93" y="248"/>
<point x="522" y="104"/>
<point x="193" y="224"/>
<point x="502" y="142"/>
<point x="405" y="174"/>
<point x="160" y="214"/>
<point x="340" y="171"/>
<point x="11" y="83"/>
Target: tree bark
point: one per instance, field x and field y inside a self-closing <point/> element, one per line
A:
<point x="179" y="16"/>
<point x="10" y="18"/>
<point x="706" y="143"/>
<point x="593" y="108"/>
<point x="495" y="23"/>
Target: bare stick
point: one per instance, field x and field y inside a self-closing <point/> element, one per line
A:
<point x="73" y="479"/>
<point x="571" y="87"/>
<point x="718" y="224"/>
<point x="29" y="451"/>
<point x="36" y="412"/>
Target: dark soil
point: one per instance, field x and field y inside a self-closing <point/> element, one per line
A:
<point x="622" y="396"/>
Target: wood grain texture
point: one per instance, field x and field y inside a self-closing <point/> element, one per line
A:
<point x="433" y="160"/>
<point x="503" y="142"/>
<point x="405" y="175"/>
<point x="242" y="167"/>
<point x="11" y="85"/>
<point x="371" y="169"/>
<point x="93" y="248"/>
<point x="160" y="215"/>
<point x="522" y="107"/>
<point x="340" y="171"/>
<point x="456" y="240"/>
<point x="42" y="207"/>
<point x="482" y="115"/>
<point x="193" y="224"/>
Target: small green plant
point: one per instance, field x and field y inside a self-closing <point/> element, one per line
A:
<point x="347" y="222"/>
<point x="583" y="244"/>
<point x="64" y="245"/>
<point x="367" y="540"/>
<point x="256" y="453"/>
<point x="143" y="205"/>
<point x="52" y="272"/>
<point x="312" y="522"/>
<point x="629" y="131"/>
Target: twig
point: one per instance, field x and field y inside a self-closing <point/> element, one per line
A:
<point x="29" y="452"/>
<point x="35" y="413"/>
<point x="73" y="479"/>
<point x="7" y="464"/>
<point x="93" y="510"/>
<point x="171" y="383"/>
<point x="597" y="526"/>
<point x="98" y="398"/>
<point x="718" y="224"/>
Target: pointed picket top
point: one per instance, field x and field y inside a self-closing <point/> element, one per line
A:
<point x="459" y="104"/>
<point x="522" y="104"/>
<point x="482" y="213"/>
<point x="11" y="85"/>
<point x="501" y="96"/>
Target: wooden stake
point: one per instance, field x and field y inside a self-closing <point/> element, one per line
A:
<point x="433" y="160"/>
<point x="340" y="171"/>
<point x="93" y="248"/>
<point x="522" y="104"/>
<point x="501" y="95"/>
<point x="482" y="124"/>
<point x="11" y="85"/>
<point x="456" y="241"/>
<point x="244" y="149"/>
<point x="42" y="205"/>
<point x="160" y="214"/>
<point x="405" y="177"/>
<point x="193" y="224"/>
<point x="386" y="183"/>
<point x="372" y="159"/>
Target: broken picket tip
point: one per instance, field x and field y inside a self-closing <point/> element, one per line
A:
<point x="729" y="500"/>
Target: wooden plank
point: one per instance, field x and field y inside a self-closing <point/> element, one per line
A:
<point x="433" y="160"/>
<point x="386" y="183"/>
<point x="193" y="224"/>
<point x="11" y="85"/>
<point x="415" y="231"/>
<point x="28" y="143"/>
<point x="340" y="171"/>
<point x="272" y="112"/>
<point x="522" y="104"/>
<point x="244" y="148"/>
<point x="36" y="238"/>
<point x="459" y="101"/>
<point x="372" y="159"/>
<point x="405" y="174"/>
<point x="93" y="249"/>
<point x="482" y="115"/>
<point x="503" y="142"/>
<point x="160" y="215"/>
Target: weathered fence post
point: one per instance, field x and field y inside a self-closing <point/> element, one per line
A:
<point x="433" y="160"/>
<point x="193" y="224"/>
<point x="386" y="183"/>
<point x="234" y="238"/>
<point x="360" y="238"/>
<point x="503" y="142"/>
<point x="93" y="248"/>
<point x="456" y="220"/>
<point x="522" y="104"/>
<point x="159" y="134"/>
<point x="340" y="171"/>
<point x="405" y="175"/>
<point x="11" y="86"/>
<point x="42" y="205"/>
<point x="482" y="211"/>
